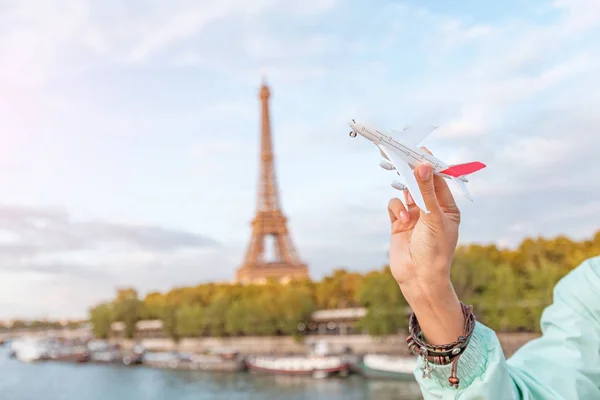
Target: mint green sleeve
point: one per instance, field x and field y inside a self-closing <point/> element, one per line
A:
<point x="564" y="363"/>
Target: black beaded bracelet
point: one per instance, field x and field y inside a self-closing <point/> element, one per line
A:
<point x="440" y="354"/>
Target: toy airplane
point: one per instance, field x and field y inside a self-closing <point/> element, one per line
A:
<point x="404" y="155"/>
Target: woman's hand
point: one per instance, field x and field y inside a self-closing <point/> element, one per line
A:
<point x="421" y="251"/>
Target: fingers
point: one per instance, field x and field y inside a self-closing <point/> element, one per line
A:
<point x="444" y="195"/>
<point x="424" y="175"/>
<point x="413" y="209"/>
<point x="400" y="218"/>
<point x="397" y="211"/>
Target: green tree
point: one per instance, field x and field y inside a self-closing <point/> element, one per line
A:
<point x="503" y="303"/>
<point x="171" y="322"/>
<point x="215" y="315"/>
<point x="190" y="321"/>
<point x="127" y="308"/>
<point x="101" y="318"/>
<point x="339" y="290"/>
<point x="387" y="309"/>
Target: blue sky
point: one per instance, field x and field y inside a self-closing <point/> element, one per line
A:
<point x="129" y="133"/>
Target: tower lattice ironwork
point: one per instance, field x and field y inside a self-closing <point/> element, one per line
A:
<point x="269" y="221"/>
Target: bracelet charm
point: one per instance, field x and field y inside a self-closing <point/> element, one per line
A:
<point x="426" y="368"/>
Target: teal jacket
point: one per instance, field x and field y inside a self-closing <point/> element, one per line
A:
<point x="563" y="363"/>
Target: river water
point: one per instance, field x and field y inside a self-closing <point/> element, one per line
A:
<point x="63" y="381"/>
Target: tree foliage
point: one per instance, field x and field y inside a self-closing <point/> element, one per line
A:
<point x="508" y="288"/>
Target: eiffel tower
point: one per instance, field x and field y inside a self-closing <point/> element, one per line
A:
<point x="269" y="221"/>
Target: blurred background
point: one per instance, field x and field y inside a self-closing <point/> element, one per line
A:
<point x="132" y="140"/>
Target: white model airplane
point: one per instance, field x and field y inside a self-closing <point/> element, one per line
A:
<point x="403" y="155"/>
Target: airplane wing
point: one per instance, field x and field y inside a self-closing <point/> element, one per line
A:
<point x="413" y="136"/>
<point x="404" y="170"/>
<point x="383" y="154"/>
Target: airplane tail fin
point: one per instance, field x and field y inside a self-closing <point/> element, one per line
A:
<point x="462" y="186"/>
<point x="458" y="170"/>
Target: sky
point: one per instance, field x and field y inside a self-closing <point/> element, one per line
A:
<point x="129" y="132"/>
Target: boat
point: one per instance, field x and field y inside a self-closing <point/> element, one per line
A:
<point x="225" y="361"/>
<point x="318" y="367"/>
<point x="135" y="356"/>
<point x="381" y="366"/>
<point x="103" y="352"/>
<point x="191" y="361"/>
<point x="163" y="359"/>
<point x="69" y="353"/>
<point x="29" y="350"/>
<point x="319" y="363"/>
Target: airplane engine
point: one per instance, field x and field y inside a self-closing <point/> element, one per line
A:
<point x="398" y="185"/>
<point x="386" y="165"/>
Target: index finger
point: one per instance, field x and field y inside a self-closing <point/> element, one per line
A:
<point x="442" y="191"/>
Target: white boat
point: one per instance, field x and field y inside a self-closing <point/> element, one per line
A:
<point x="30" y="349"/>
<point x="386" y="366"/>
<point x="319" y="362"/>
<point x="317" y="366"/>
<point x="162" y="359"/>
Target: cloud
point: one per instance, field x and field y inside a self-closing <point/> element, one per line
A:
<point x="48" y="230"/>
<point x="44" y="40"/>
<point x="46" y="252"/>
<point x="55" y="270"/>
<point x="45" y="240"/>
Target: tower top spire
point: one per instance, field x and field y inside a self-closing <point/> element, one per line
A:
<point x="265" y="93"/>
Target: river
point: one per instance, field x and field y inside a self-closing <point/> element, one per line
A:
<point x="63" y="381"/>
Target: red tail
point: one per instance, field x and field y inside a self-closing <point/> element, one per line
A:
<point x="463" y="169"/>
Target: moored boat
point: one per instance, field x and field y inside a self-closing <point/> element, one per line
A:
<point x="215" y="362"/>
<point x="163" y="359"/>
<point x="379" y="366"/>
<point x="190" y="361"/>
<point x="69" y="353"/>
<point x="29" y="350"/>
<point x="317" y="366"/>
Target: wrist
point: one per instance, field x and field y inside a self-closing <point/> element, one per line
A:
<point x="428" y="294"/>
<point x="438" y="311"/>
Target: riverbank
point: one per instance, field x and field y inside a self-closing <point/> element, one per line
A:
<point x="392" y="344"/>
<point x="357" y="344"/>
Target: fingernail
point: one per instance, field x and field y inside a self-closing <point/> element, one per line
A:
<point x="424" y="171"/>
<point x="404" y="216"/>
<point x="409" y="200"/>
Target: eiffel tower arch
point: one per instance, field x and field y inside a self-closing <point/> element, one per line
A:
<point x="269" y="221"/>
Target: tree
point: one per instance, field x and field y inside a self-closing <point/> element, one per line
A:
<point x="386" y="306"/>
<point x="127" y="308"/>
<point x="340" y="290"/>
<point x="170" y="321"/>
<point x="502" y="304"/>
<point x="101" y="318"/>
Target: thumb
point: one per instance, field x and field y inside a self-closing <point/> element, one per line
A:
<point x="424" y="175"/>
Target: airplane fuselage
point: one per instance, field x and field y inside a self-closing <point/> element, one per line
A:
<point x="412" y="155"/>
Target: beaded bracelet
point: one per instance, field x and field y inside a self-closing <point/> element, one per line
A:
<point x="440" y="354"/>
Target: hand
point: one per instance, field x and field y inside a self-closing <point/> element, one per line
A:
<point x="421" y="251"/>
